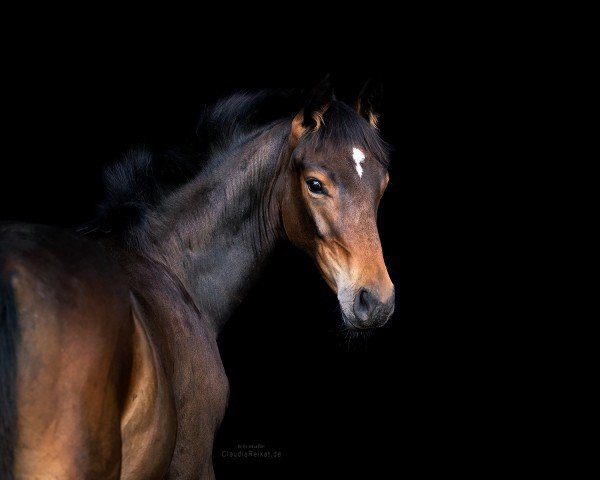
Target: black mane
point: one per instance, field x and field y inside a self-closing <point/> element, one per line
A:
<point x="141" y="178"/>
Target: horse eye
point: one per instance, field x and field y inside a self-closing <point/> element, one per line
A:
<point x="315" y="186"/>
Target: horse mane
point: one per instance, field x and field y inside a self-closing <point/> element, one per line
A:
<point x="141" y="178"/>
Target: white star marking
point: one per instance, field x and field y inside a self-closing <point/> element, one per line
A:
<point x="358" y="157"/>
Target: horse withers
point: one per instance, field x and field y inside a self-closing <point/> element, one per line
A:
<point x="108" y="341"/>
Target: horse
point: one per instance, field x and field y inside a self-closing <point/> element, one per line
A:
<point x="109" y="365"/>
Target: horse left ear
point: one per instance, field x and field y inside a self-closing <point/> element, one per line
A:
<point x="369" y="101"/>
<point x="316" y="104"/>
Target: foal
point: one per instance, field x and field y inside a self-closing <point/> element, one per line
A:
<point x="109" y="360"/>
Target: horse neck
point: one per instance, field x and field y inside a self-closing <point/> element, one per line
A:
<point x="216" y="232"/>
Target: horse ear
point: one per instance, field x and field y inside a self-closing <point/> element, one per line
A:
<point x="316" y="104"/>
<point x="369" y="101"/>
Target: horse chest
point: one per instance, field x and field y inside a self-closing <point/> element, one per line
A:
<point x="188" y="355"/>
<point x="201" y="390"/>
<point x="148" y="423"/>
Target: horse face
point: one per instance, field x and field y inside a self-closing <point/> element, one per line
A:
<point x="338" y="178"/>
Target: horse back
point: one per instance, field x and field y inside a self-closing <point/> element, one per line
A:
<point x="67" y="312"/>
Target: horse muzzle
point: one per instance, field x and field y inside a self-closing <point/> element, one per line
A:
<point x="366" y="309"/>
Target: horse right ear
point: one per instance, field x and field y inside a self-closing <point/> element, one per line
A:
<point x="316" y="104"/>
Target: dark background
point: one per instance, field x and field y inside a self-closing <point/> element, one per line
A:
<point x="416" y="393"/>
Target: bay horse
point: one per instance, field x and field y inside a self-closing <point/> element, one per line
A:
<point x="109" y="366"/>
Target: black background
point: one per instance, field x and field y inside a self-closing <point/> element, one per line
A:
<point x="414" y="394"/>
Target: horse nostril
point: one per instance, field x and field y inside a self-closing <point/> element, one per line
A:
<point x="363" y="305"/>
